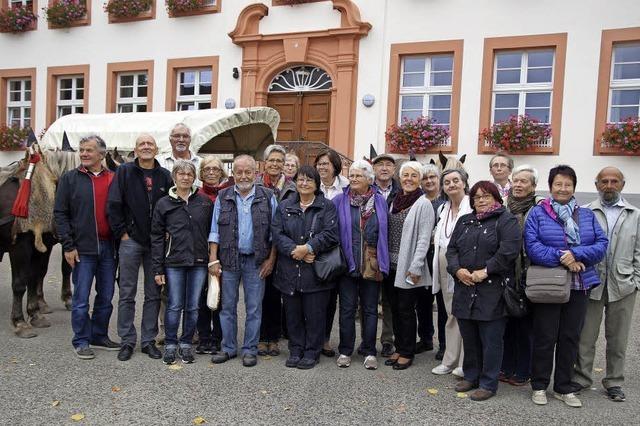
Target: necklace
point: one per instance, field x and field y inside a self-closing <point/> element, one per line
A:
<point x="307" y="204"/>
<point x="446" y="224"/>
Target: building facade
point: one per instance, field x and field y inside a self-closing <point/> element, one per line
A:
<point x="343" y="71"/>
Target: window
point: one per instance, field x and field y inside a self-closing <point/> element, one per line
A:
<point x="19" y="102"/>
<point x="425" y="80"/>
<point x="27" y="4"/>
<point x="523" y="84"/>
<point x="618" y="82"/>
<point x="192" y="83"/>
<point x="21" y="3"/>
<point x="194" y="89"/>
<point x="523" y="75"/>
<point x="70" y="95"/>
<point x="425" y="89"/>
<point x="130" y="86"/>
<point x="625" y="83"/>
<point x="132" y="92"/>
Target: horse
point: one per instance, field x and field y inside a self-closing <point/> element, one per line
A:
<point x="29" y="241"/>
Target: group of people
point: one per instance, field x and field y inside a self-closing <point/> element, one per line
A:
<point x="407" y="238"/>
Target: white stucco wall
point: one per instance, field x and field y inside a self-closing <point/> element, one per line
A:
<point x="393" y="21"/>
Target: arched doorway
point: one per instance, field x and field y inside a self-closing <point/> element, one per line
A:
<point x="302" y="97"/>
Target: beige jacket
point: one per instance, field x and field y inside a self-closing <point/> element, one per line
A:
<point x="621" y="267"/>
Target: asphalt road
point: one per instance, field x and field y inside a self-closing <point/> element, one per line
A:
<point x="42" y="382"/>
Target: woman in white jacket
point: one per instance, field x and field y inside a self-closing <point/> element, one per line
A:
<point x="455" y="187"/>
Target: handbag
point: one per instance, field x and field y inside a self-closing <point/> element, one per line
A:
<point x="548" y="285"/>
<point x="330" y="264"/>
<point x="515" y="300"/>
<point x="371" y="270"/>
<point x="213" y="292"/>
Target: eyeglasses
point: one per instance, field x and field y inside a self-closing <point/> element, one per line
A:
<point x="323" y="164"/>
<point x="304" y="180"/>
<point x="275" y="160"/>
<point x="180" y="136"/>
<point x="485" y="197"/>
<point x="212" y="170"/>
<point x="185" y="174"/>
<point x="499" y="166"/>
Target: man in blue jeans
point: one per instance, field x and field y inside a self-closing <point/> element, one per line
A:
<point x="81" y="219"/>
<point x="136" y="188"/>
<point x="241" y="228"/>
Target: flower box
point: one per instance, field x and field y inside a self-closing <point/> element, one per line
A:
<point x="129" y="10"/>
<point x="17" y="19"/>
<point x="417" y="136"/>
<point x="66" y="13"/>
<point x="624" y="137"/>
<point x="516" y="134"/>
<point x="13" y="138"/>
<point x="177" y="8"/>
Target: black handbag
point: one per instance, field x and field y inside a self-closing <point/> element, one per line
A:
<point x="331" y="264"/>
<point x="515" y="300"/>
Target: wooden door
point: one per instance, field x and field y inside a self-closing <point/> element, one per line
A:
<point x="316" y="112"/>
<point x="288" y="106"/>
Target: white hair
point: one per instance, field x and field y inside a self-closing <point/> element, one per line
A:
<point x="430" y="168"/>
<point x="415" y="165"/>
<point x="365" y="167"/>
<point x="273" y="148"/>
<point x="527" y="168"/>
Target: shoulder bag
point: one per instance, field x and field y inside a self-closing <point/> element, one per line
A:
<point x="330" y="264"/>
<point x="548" y="285"/>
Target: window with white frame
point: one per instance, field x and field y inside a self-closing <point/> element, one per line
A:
<point x="132" y="92"/>
<point x="70" y="95"/>
<point x="194" y="89"/>
<point x="21" y="3"/>
<point x="624" y="92"/>
<point x="209" y="3"/>
<point x="523" y="84"/>
<point x="19" y="102"/>
<point x="425" y="88"/>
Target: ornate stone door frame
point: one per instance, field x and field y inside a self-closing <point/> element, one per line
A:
<point x="335" y="50"/>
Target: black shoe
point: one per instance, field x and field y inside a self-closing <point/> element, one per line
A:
<point x="387" y="350"/>
<point x="126" y="352"/>
<point x="169" y="356"/>
<point x="328" y="352"/>
<point x="220" y="357"/>
<point x="152" y="351"/>
<point x="292" y="361"/>
<point x="307" y="363"/>
<point x="403" y="366"/>
<point x="614" y="393"/>
<point x="215" y="347"/>
<point x="390" y="361"/>
<point x="249" y="360"/>
<point x="204" y="348"/>
<point x="440" y="353"/>
<point x="106" y="344"/>
<point x="187" y="355"/>
<point x="422" y="346"/>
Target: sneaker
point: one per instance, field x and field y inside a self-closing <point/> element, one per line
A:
<point x="274" y="349"/>
<point x="441" y="369"/>
<point x="343" y="361"/>
<point x="85" y="352"/>
<point x="292" y="361"/>
<point x="569" y="398"/>
<point x="307" y="363"/>
<point x="370" y="362"/>
<point x="169" y="356"/>
<point x="106" y="344"/>
<point x="187" y="355"/>
<point x="204" y="348"/>
<point x="539" y="397"/>
<point x="458" y="372"/>
<point x="263" y="349"/>
<point x="615" y="394"/>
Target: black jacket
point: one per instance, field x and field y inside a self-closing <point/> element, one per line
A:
<point x="291" y="227"/>
<point x="130" y="206"/>
<point x="74" y="213"/>
<point x="494" y="243"/>
<point x="180" y="232"/>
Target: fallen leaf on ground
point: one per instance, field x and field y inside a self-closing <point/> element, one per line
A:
<point x="432" y="391"/>
<point x="115" y="389"/>
<point x="598" y="370"/>
<point x="461" y="395"/>
<point x="266" y="357"/>
<point x="264" y="392"/>
<point x="199" y="421"/>
<point x="287" y="408"/>
<point x="401" y="408"/>
<point x="55" y="403"/>
<point x="14" y="360"/>
<point x="77" y="417"/>
<point x="175" y="367"/>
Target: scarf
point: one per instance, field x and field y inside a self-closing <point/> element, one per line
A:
<point x="278" y="185"/>
<point x="365" y="202"/>
<point x="520" y="206"/>
<point x="565" y="214"/>
<point x="211" y="191"/>
<point x="490" y="210"/>
<point x="404" y="201"/>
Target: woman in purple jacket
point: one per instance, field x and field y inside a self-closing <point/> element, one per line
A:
<point x="558" y="232"/>
<point x="362" y="221"/>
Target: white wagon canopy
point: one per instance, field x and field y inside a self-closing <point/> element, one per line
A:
<point x="219" y="131"/>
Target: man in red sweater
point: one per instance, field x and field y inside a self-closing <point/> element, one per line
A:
<point x="81" y="220"/>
